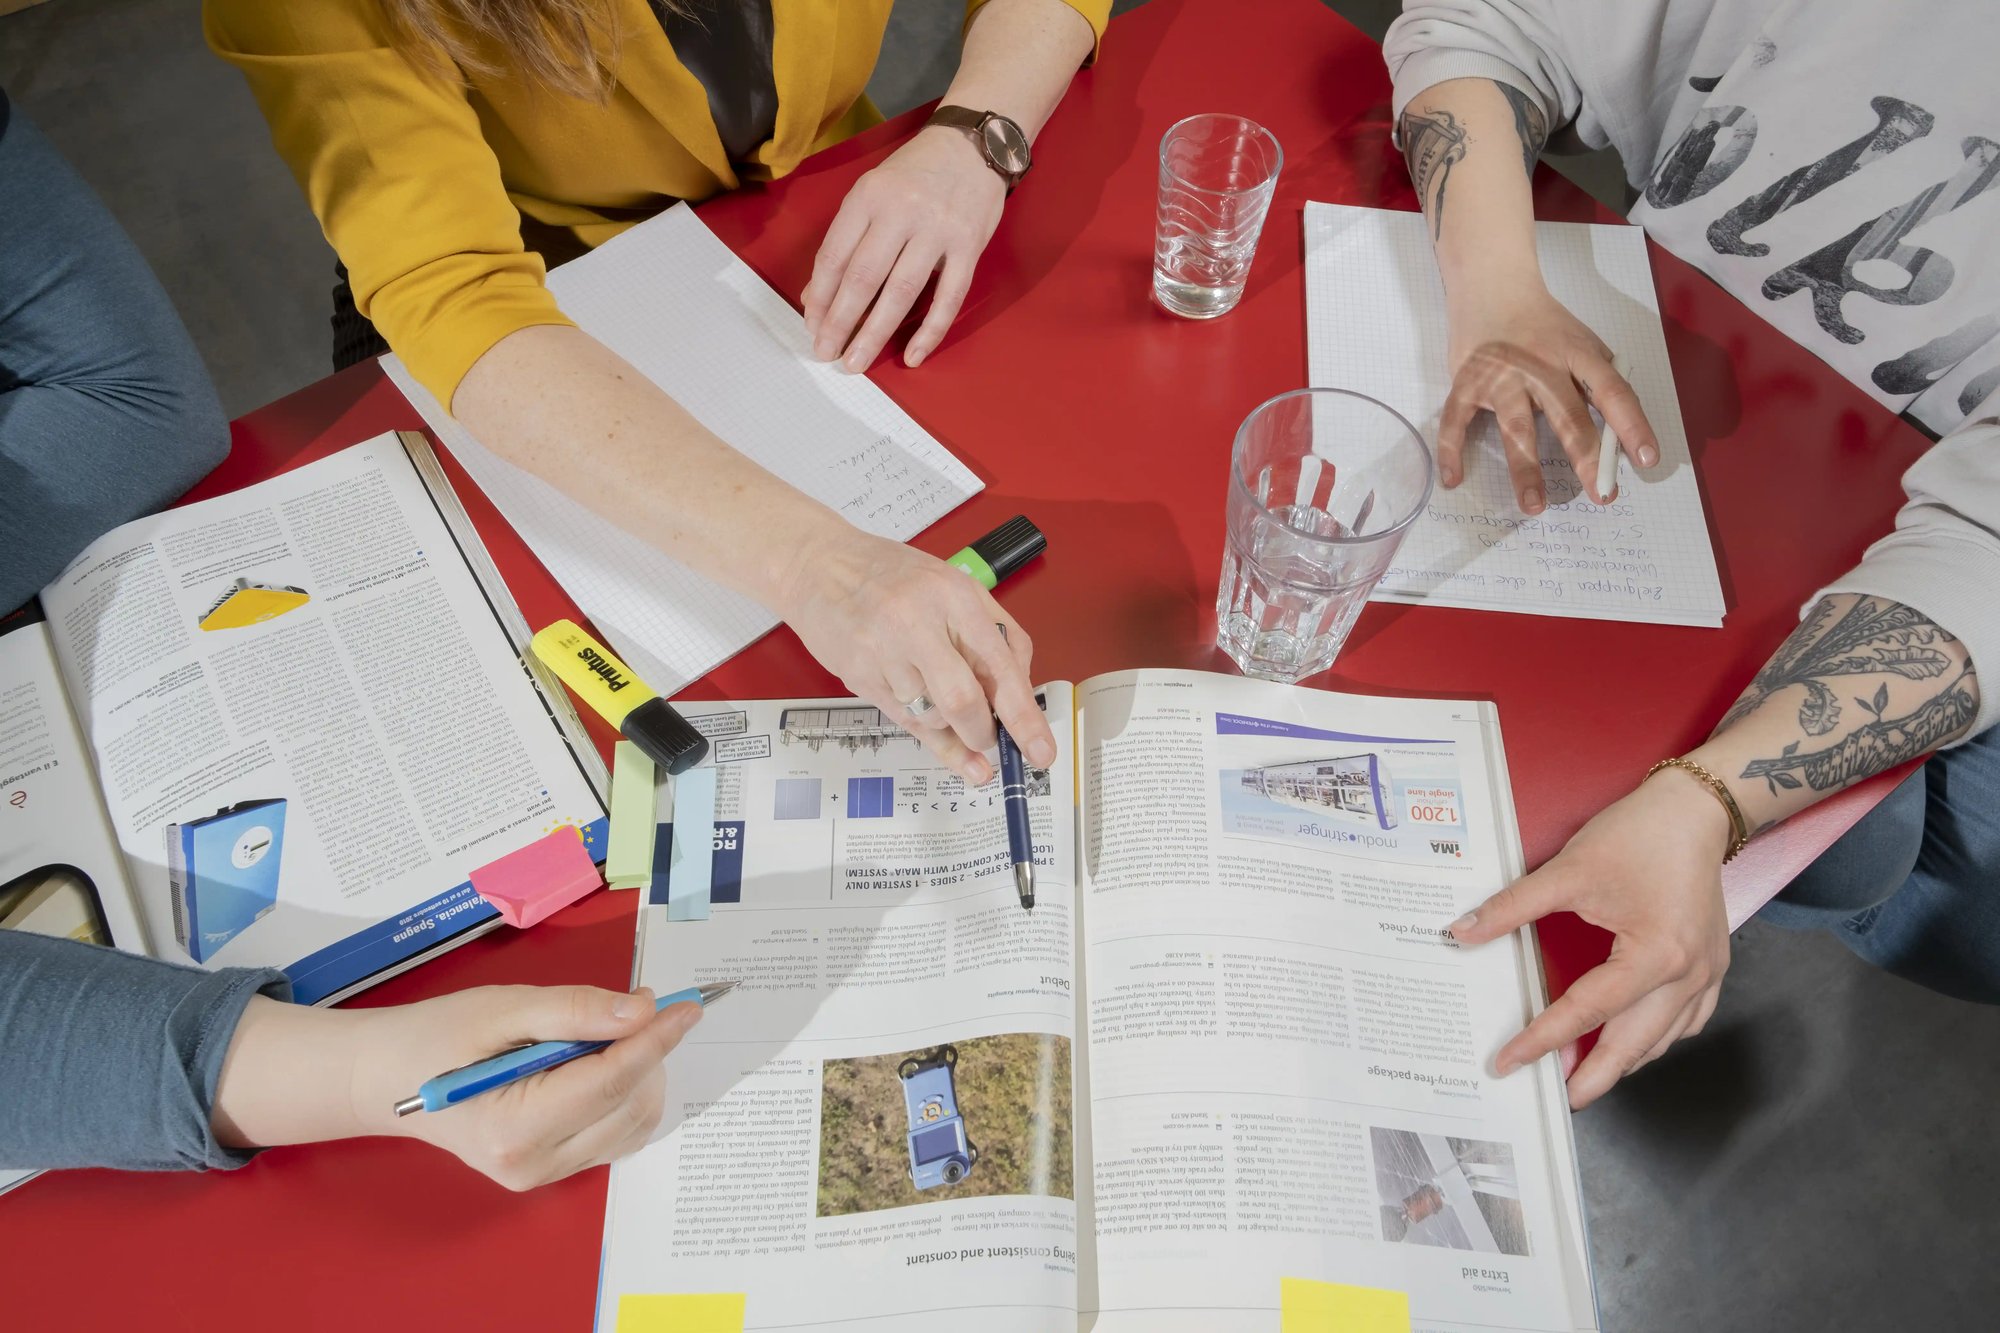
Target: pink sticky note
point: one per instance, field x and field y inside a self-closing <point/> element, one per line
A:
<point x="547" y="875"/>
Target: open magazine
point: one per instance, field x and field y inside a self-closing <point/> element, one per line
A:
<point x="1231" y="1044"/>
<point x="280" y="727"/>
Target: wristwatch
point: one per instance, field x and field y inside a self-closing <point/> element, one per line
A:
<point x="1000" y="140"/>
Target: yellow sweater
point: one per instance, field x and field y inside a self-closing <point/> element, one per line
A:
<point x="422" y="185"/>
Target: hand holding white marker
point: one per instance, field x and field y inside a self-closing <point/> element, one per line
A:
<point x="1607" y="441"/>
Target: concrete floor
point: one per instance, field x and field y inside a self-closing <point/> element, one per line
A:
<point x="1820" y="1159"/>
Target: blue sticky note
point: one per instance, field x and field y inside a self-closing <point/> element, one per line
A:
<point x="693" y="862"/>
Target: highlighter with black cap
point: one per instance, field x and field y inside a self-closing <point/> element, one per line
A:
<point x="619" y="696"/>
<point x="1001" y="551"/>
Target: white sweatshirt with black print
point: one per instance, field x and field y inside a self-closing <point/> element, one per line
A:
<point x="1835" y="164"/>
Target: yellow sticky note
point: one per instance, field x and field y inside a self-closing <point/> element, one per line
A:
<point x="1306" y="1306"/>
<point x="705" y="1313"/>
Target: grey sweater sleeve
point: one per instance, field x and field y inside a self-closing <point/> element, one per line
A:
<point x="1943" y="558"/>
<point x="1513" y="42"/>
<point x="107" y="1059"/>
<point x="1602" y="73"/>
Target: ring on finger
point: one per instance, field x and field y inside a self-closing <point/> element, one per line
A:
<point x="920" y="705"/>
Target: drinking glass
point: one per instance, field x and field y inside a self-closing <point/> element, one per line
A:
<point x="1217" y="174"/>
<point x="1323" y="483"/>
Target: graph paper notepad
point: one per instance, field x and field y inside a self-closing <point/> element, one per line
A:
<point x="671" y="299"/>
<point x="1376" y="324"/>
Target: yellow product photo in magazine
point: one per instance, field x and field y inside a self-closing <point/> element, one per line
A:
<point x="247" y="603"/>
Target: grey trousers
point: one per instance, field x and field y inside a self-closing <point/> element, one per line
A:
<point x="1914" y="888"/>
<point x="106" y="411"/>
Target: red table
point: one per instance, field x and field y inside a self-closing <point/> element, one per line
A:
<point x="1109" y="423"/>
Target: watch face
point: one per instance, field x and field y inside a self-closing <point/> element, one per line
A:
<point x="1006" y="146"/>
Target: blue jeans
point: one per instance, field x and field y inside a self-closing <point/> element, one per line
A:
<point x="1914" y="888"/>
<point x="106" y="412"/>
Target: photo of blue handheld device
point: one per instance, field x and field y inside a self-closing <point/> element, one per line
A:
<point x="222" y="873"/>
<point x="940" y="1152"/>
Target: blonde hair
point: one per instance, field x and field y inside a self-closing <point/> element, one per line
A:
<point x="563" y="45"/>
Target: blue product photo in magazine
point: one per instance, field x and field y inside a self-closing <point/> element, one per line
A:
<point x="981" y="1117"/>
<point x="1355" y="786"/>
<point x="940" y="1152"/>
<point x="223" y="873"/>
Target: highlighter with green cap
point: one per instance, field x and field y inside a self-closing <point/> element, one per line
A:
<point x="1001" y="551"/>
<point x="619" y="696"/>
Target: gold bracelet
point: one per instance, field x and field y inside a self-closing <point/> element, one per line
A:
<point x="1738" y="827"/>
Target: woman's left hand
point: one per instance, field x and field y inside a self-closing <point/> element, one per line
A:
<point x="930" y="208"/>
<point x="1648" y="869"/>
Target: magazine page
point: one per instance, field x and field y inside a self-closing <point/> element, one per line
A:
<point x="874" y="1129"/>
<point x="1288" y="1055"/>
<point x="60" y="871"/>
<point x="306" y="723"/>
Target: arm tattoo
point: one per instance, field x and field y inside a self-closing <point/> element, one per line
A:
<point x="1529" y="123"/>
<point x="1872" y="637"/>
<point x="1433" y="141"/>
<point x="1876" y="745"/>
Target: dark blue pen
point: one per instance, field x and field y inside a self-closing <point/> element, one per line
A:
<point x="1014" y="800"/>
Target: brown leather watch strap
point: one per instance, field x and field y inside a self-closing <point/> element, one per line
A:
<point x="958" y="117"/>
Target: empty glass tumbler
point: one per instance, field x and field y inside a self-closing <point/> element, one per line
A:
<point x="1323" y="484"/>
<point x="1217" y="175"/>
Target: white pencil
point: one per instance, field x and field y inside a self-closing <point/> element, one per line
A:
<point x="1607" y="442"/>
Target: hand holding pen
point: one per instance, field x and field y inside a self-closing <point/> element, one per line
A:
<point x="519" y="1062"/>
<point x="582" y="1114"/>
<point x="914" y="636"/>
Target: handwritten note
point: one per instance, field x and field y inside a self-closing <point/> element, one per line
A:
<point x="1376" y="324"/>
<point x="675" y="302"/>
<point x="887" y="483"/>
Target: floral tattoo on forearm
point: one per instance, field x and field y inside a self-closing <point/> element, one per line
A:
<point x="1872" y="637"/>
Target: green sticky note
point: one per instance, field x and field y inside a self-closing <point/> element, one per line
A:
<point x="629" y="862"/>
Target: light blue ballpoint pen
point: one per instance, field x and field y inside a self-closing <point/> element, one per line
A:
<point x="457" y="1085"/>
